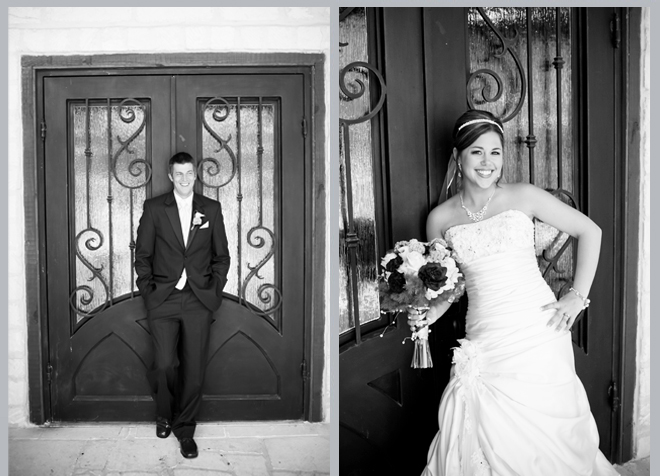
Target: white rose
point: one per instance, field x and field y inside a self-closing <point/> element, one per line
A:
<point x="412" y="261"/>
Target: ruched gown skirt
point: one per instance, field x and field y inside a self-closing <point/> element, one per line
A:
<point x="514" y="405"/>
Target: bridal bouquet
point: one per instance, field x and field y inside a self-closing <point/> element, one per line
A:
<point x="415" y="274"/>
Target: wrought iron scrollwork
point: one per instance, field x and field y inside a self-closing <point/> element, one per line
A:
<point x="136" y="167"/>
<point x="361" y="90"/>
<point x="484" y="95"/>
<point x="83" y="292"/>
<point x="211" y="165"/>
<point x="269" y="294"/>
<point x="507" y="47"/>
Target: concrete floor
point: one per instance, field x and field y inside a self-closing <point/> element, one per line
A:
<point x="238" y="449"/>
<point x="640" y="467"/>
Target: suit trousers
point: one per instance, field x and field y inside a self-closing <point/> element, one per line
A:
<point x="180" y="329"/>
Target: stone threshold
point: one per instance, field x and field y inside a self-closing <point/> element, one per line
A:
<point x="125" y="430"/>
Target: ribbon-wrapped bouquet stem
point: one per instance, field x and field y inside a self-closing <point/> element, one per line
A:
<point x="414" y="276"/>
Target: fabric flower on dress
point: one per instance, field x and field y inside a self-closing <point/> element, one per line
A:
<point x="466" y="360"/>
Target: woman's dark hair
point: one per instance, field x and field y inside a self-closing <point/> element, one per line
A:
<point x="466" y="136"/>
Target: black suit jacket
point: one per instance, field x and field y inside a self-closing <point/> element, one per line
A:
<point x="160" y="254"/>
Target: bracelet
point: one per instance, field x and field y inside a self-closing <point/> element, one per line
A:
<point x="585" y="301"/>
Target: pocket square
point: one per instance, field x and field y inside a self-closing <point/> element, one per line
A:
<point x="205" y="225"/>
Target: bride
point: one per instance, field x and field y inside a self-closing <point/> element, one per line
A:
<point x="513" y="405"/>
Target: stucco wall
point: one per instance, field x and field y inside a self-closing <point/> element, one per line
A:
<point x="642" y="411"/>
<point x="70" y="31"/>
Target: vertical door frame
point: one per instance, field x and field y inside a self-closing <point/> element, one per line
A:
<point x="626" y="58"/>
<point x="631" y="52"/>
<point x="35" y="68"/>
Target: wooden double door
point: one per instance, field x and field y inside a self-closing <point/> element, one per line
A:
<point x="107" y="141"/>
<point x="388" y="411"/>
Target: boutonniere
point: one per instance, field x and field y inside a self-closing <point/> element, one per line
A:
<point x="197" y="220"/>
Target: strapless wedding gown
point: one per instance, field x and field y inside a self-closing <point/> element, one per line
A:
<point x="514" y="405"/>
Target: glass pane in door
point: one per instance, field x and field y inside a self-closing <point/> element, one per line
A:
<point x="238" y="169"/>
<point x="354" y="48"/>
<point x="111" y="169"/>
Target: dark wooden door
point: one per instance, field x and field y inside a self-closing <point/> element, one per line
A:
<point x="107" y="144"/>
<point x="387" y="410"/>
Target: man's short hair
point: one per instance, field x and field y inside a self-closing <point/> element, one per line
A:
<point x="181" y="158"/>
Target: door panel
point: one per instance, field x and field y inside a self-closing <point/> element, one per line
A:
<point x="106" y="151"/>
<point x="602" y="172"/>
<point x="86" y="326"/>
<point x="252" y="162"/>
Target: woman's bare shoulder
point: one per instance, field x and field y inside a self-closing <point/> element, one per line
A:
<point x="519" y="196"/>
<point x="518" y="189"/>
<point x="440" y="218"/>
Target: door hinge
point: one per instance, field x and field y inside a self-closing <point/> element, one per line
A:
<point x="303" y="370"/>
<point x="43" y="131"/>
<point x="615" y="29"/>
<point x="304" y="126"/>
<point x="613" y="392"/>
<point x="49" y="372"/>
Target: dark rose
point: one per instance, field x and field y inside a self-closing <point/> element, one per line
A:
<point x="397" y="282"/>
<point x="433" y="275"/>
<point x="394" y="263"/>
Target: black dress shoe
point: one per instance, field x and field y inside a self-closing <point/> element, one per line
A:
<point x="163" y="427"/>
<point x="188" y="447"/>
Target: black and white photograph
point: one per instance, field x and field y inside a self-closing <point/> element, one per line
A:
<point x="168" y="271"/>
<point x="408" y="239"/>
<point x="494" y="241"/>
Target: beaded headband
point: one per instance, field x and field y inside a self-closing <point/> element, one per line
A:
<point x="475" y="121"/>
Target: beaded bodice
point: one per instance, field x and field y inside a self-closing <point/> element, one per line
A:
<point x="511" y="230"/>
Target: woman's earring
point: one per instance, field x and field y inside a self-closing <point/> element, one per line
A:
<point x="460" y="170"/>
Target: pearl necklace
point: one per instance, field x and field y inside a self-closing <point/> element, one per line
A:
<point x="478" y="216"/>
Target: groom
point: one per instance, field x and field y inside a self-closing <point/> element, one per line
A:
<point x="181" y="261"/>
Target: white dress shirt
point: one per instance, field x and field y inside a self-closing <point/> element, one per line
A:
<point x="185" y="216"/>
